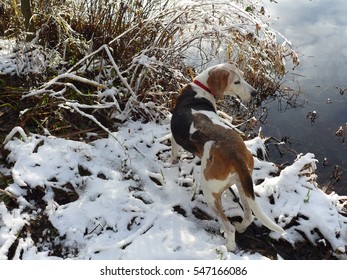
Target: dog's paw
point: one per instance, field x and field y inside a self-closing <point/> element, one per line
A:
<point x="174" y="161"/>
<point x="231" y="245"/>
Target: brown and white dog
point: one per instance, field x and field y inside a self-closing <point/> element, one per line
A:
<point x="225" y="159"/>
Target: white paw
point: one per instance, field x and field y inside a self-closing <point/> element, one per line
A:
<point x="231" y="246"/>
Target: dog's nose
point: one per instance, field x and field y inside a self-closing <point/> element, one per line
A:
<point x="254" y="93"/>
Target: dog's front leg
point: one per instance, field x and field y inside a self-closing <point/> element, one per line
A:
<point x="174" y="151"/>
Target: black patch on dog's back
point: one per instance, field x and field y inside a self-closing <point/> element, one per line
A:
<point x="182" y="118"/>
<point x="188" y="100"/>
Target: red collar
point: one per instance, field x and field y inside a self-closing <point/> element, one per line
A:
<point x="201" y="85"/>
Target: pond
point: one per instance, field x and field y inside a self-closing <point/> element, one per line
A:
<point x="318" y="32"/>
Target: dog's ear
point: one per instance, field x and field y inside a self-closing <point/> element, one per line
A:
<point x="217" y="81"/>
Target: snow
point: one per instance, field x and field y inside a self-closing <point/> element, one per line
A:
<point x="20" y="59"/>
<point x="7" y="66"/>
<point x="129" y="195"/>
<point x="128" y="201"/>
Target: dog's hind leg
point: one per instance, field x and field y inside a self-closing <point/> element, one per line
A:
<point x="212" y="190"/>
<point x="214" y="201"/>
<point x="247" y="215"/>
<point x="213" y="187"/>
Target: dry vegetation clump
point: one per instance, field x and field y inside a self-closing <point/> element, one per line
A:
<point x="93" y="57"/>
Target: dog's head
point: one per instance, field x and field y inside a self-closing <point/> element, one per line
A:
<point x="227" y="79"/>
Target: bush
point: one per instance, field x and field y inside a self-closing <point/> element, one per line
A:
<point x="137" y="49"/>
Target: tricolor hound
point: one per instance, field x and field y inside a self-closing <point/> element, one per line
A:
<point x="225" y="159"/>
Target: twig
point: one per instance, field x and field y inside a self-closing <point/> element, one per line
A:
<point x="124" y="81"/>
<point x="12" y="196"/>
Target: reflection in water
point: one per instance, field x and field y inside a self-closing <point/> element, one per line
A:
<point x="316" y="121"/>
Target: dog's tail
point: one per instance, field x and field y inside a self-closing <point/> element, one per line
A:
<point x="247" y="185"/>
<point x="265" y="220"/>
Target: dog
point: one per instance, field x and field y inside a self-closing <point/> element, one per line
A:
<point x="225" y="159"/>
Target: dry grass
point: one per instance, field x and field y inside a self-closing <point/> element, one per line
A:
<point x="142" y="50"/>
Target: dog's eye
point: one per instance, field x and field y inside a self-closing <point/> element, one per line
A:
<point x="237" y="82"/>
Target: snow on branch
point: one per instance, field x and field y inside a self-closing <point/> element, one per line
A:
<point x="13" y="132"/>
<point x="69" y="76"/>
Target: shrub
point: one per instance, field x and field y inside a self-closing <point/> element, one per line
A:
<point x="138" y="49"/>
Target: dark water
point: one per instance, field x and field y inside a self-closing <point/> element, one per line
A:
<point x="318" y="32"/>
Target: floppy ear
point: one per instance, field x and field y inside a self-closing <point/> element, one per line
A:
<point x="217" y="82"/>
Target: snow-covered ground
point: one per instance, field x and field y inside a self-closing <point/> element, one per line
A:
<point x="121" y="198"/>
<point x="132" y="203"/>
